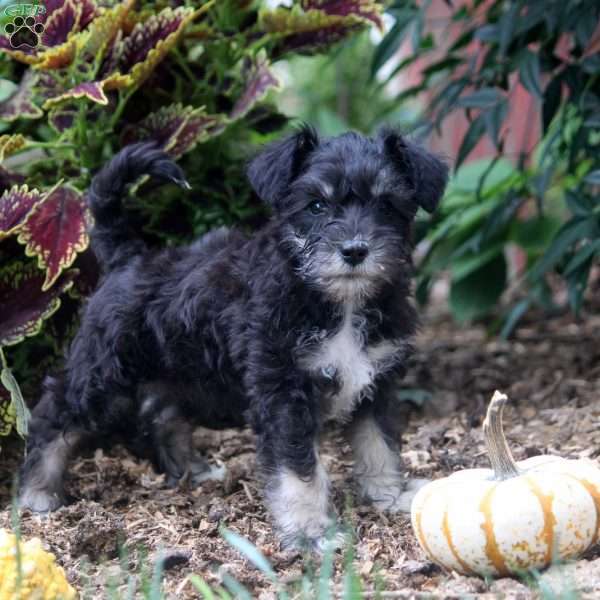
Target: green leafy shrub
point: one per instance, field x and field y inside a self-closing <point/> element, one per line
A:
<point x="192" y="76"/>
<point x="345" y="97"/>
<point x="546" y="203"/>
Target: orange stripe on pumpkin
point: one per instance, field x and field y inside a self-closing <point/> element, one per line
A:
<point x="545" y="501"/>
<point x="593" y="492"/>
<point x="419" y="527"/>
<point x="492" y="550"/>
<point x="448" y="535"/>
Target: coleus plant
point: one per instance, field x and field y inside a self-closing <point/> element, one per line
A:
<point x="194" y="76"/>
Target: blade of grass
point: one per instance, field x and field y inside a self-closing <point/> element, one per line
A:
<point x="323" y="591"/>
<point x="202" y="587"/>
<point x="16" y="527"/>
<point x="235" y="587"/>
<point x="251" y="552"/>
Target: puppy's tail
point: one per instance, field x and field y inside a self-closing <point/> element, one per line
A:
<point x="112" y="238"/>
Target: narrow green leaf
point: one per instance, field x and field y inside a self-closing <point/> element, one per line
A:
<point x="482" y="98"/>
<point x="581" y="256"/>
<point x="501" y="216"/>
<point x="10" y="383"/>
<point x="573" y="231"/>
<point x="223" y="593"/>
<point x="353" y="589"/>
<point x="239" y="591"/>
<point x="542" y="180"/>
<point x="577" y="284"/>
<point x="399" y="67"/>
<point x="449" y="94"/>
<point x="530" y="18"/>
<point x="534" y="235"/>
<point x="473" y="261"/>
<point x="529" y="73"/>
<point x="410" y="92"/>
<point x="202" y="587"/>
<point x="494" y="118"/>
<point x="392" y="41"/>
<point x="324" y="590"/>
<point x="475" y="295"/>
<point x="507" y="27"/>
<point x="250" y="551"/>
<point x="469" y="141"/>
<point x="514" y="316"/>
<point x="464" y="39"/>
<point x="449" y="62"/>
<point x="488" y="33"/>
<point x="419" y="25"/>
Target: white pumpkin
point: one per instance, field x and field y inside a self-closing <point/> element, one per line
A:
<point x="513" y="517"/>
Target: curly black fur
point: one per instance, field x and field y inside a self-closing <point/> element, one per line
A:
<point x="309" y="320"/>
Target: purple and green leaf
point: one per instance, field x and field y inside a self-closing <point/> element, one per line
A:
<point x="258" y="80"/>
<point x="16" y="205"/>
<point x="25" y="305"/>
<point x="20" y="105"/>
<point x="60" y="22"/>
<point x="56" y="231"/>
<point x="147" y="45"/>
<point x="368" y="10"/>
<point x="315" y="28"/>
<point x="9" y="144"/>
<point x="61" y="119"/>
<point x="92" y="90"/>
<point x="176" y="128"/>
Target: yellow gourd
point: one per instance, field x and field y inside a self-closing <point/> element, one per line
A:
<point x="513" y="517"/>
<point x="41" y="578"/>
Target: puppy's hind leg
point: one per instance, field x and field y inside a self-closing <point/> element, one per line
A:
<point x="174" y="452"/>
<point x="50" y="443"/>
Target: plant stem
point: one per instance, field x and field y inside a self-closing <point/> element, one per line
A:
<point x="51" y="145"/>
<point x="501" y="459"/>
<point x="123" y="99"/>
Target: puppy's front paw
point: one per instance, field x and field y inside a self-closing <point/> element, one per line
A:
<point x="393" y="495"/>
<point x="41" y="501"/>
<point x="301" y="510"/>
<point x="320" y="539"/>
<point x="212" y="473"/>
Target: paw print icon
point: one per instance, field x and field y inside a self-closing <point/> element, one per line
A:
<point x="24" y="31"/>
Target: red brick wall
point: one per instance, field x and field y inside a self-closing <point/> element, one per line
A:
<point x="522" y="126"/>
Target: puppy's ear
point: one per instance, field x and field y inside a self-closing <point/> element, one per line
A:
<point x="271" y="172"/>
<point x="425" y="173"/>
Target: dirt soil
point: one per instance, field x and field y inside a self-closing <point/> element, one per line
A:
<point x="550" y="370"/>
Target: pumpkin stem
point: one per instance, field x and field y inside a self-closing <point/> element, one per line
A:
<point x="502" y="461"/>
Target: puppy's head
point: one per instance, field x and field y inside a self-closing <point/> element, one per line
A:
<point x="345" y="205"/>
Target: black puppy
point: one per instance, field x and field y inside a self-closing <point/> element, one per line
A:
<point x="306" y="322"/>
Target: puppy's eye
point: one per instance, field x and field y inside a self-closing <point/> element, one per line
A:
<point x="317" y="207"/>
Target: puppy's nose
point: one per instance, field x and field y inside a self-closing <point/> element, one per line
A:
<point x="354" y="251"/>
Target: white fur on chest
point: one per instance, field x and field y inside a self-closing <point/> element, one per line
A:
<point x="356" y="365"/>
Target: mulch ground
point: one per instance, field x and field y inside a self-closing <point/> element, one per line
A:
<point x="550" y="370"/>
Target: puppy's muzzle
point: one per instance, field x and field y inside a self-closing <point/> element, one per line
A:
<point x="354" y="251"/>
